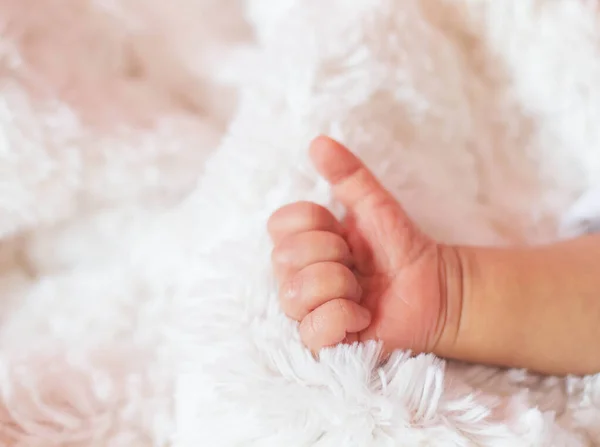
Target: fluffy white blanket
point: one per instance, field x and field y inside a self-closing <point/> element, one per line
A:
<point x="137" y="305"/>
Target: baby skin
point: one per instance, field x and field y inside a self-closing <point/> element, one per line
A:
<point x="376" y="276"/>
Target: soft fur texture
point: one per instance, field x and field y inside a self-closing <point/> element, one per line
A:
<point x="138" y="307"/>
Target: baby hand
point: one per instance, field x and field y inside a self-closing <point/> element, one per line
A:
<point x="373" y="276"/>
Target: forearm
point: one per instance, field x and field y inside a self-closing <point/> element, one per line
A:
<point x="536" y="308"/>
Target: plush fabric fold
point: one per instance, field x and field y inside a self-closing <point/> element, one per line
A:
<point x="145" y="143"/>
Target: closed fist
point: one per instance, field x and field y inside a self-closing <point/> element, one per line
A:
<point x="372" y="276"/>
<point x="315" y="268"/>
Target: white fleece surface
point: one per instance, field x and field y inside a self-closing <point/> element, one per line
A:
<point x="137" y="305"/>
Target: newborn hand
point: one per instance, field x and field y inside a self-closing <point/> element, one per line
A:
<point x="373" y="276"/>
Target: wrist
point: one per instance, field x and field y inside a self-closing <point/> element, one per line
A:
<point x="453" y="279"/>
<point x="482" y="311"/>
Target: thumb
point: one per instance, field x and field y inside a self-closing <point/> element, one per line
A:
<point x="352" y="182"/>
<point x="384" y="224"/>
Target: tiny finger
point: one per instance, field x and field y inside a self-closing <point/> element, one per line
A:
<point x="315" y="285"/>
<point x="300" y="250"/>
<point x="329" y="324"/>
<point x="300" y="217"/>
